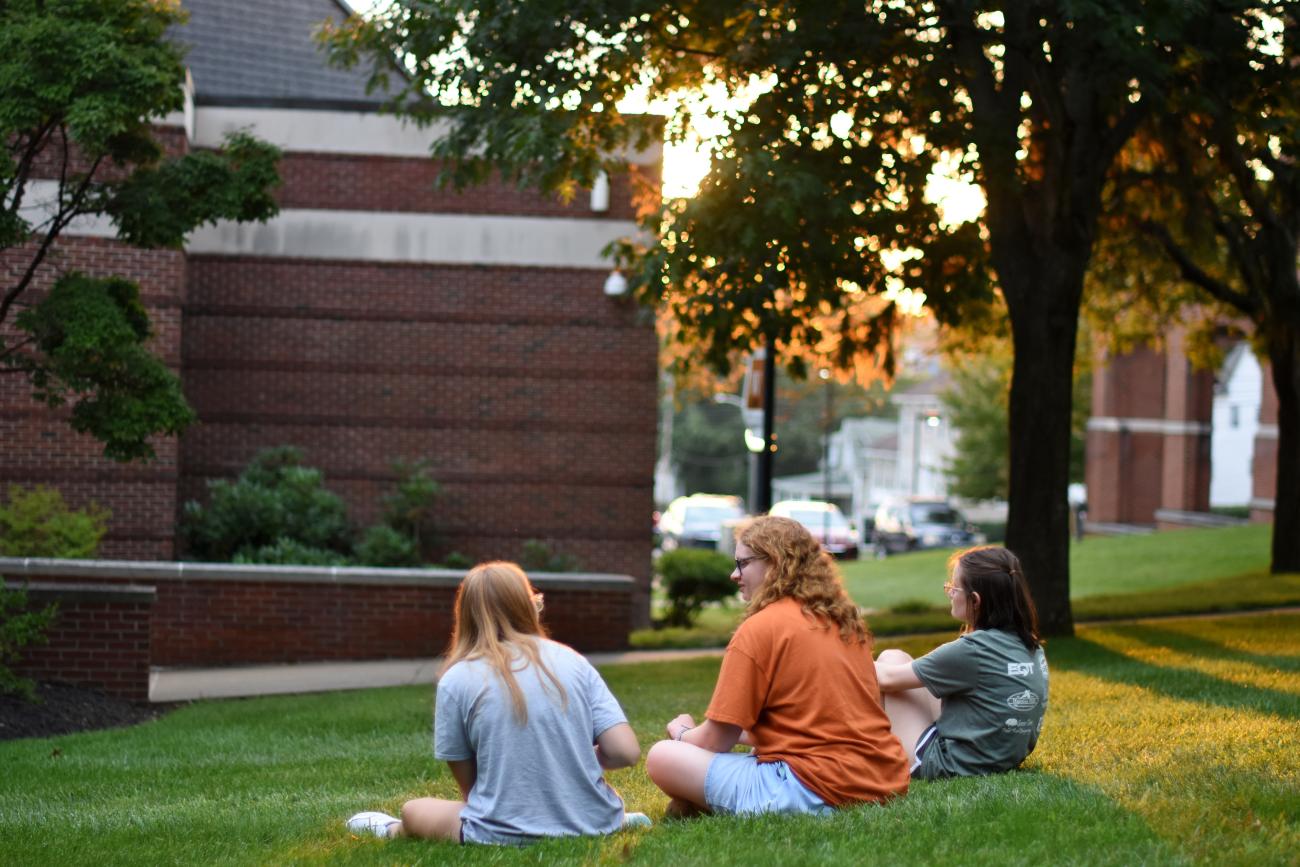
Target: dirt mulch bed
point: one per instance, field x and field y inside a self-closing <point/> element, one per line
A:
<point x="62" y="709"/>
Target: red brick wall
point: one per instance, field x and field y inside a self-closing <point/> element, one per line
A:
<point x="40" y="447"/>
<point x="259" y="615"/>
<point x="379" y="183"/>
<point x="99" y="638"/>
<point x="530" y="394"/>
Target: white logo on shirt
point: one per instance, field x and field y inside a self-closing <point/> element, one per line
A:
<point x="1022" y="700"/>
<point x="1020" y="669"/>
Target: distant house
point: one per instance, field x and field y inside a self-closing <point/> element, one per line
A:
<point x="875" y="458"/>
<point x="1234" y="422"/>
<point x="376" y="318"/>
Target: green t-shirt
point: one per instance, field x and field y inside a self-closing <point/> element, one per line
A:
<point x="993" y="693"/>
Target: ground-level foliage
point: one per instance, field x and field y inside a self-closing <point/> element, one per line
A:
<point x="1172" y="742"/>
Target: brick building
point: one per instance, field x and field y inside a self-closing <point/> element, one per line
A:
<point x="1150" y="434"/>
<point x="376" y="318"/>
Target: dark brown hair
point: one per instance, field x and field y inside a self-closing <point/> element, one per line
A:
<point x="1004" y="602"/>
<point x="800" y="569"/>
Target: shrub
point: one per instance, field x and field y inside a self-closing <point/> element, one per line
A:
<point x="537" y="556"/>
<point x="409" y="512"/>
<point x="19" y="627"/>
<point x="386" y="547"/>
<point x="290" y="552"/>
<point x="37" y="523"/>
<point x="456" y="560"/>
<point x="274" y="501"/>
<point x="912" y="606"/>
<point x="692" y="577"/>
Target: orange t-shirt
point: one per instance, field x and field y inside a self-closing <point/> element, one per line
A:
<point x="811" y="701"/>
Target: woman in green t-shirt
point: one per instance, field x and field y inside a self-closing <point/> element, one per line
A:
<point x="975" y="705"/>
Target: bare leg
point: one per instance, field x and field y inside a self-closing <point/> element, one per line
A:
<point x="431" y="818"/>
<point x="679" y="770"/>
<point x="910" y="712"/>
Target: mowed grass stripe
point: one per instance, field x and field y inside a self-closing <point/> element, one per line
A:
<point x="1166" y="743"/>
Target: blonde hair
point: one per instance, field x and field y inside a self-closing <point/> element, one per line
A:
<point x="497" y="621"/>
<point x="798" y="568"/>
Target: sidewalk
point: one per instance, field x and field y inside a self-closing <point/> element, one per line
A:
<point x="188" y="684"/>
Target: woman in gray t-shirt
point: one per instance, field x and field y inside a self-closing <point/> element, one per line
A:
<point x="975" y="705"/>
<point x="525" y="724"/>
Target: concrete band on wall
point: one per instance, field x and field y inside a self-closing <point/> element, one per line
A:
<point x="152" y="570"/>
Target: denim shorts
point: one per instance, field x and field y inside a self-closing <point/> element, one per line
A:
<point x="738" y="783"/>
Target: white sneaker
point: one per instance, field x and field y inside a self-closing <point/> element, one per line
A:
<point x="375" y="823"/>
<point x="636" y="820"/>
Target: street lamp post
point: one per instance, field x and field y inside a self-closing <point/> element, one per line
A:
<point x="827" y="388"/>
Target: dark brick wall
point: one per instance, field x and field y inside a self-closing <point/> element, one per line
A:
<point x="530" y="394"/>
<point x="269" y="618"/>
<point x="98" y="639"/>
<point x="379" y="183"/>
<point x="40" y="448"/>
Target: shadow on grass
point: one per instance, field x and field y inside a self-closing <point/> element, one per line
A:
<point x="1089" y="657"/>
<point x="1196" y="645"/>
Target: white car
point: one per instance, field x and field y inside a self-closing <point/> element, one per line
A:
<point x="826" y="523"/>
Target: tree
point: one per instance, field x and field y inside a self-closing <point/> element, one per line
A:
<point x="977" y="408"/>
<point x="82" y="82"/>
<point x="1209" y="195"/>
<point x="815" y="207"/>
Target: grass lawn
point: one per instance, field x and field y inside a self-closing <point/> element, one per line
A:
<point x="1099" y="565"/>
<point x="1177" y="571"/>
<point x="1166" y="743"/>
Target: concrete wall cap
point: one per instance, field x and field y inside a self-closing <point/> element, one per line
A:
<point x="157" y="570"/>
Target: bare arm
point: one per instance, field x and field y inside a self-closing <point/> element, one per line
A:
<point x="713" y="736"/>
<point x="617" y="747"/>
<point x="896" y="677"/>
<point x="465" y="772"/>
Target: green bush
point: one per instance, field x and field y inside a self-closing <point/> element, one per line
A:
<point x="408" y="511"/>
<point x="290" y="552"/>
<point x="276" y="500"/>
<point x="19" y="627"/>
<point x="457" y="560"/>
<point x="37" y="523"/>
<point x="537" y="556"/>
<point x="383" y="546"/>
<point x="692" y="577"/>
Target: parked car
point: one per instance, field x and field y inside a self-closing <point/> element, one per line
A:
<point x="919" y="524"/>
<point x="826" y="523"/>
<point x="696" y="521"/>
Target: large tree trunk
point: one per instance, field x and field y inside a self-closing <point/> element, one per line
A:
<point x="1284" y="355"/>
<point x="1044" y="323"/>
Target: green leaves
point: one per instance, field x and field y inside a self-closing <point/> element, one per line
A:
<point x="83" y="82"/>
<point x="90" y="338"/>
<point x="157" y="206"/>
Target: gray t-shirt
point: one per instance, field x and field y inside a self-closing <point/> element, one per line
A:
<point x="535" y="780"/>
<point x="994" y="694"/>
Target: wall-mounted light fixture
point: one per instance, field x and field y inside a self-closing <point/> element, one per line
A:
<point x="615" y="284"/>
<point x="600" y="193"/>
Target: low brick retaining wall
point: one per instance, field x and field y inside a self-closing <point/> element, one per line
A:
<point x="99" y="637"/>
<point x="203" y="615"/>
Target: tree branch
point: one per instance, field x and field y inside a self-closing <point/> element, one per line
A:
<point x="1193" y="273"/>
<point x="67" y="210"/>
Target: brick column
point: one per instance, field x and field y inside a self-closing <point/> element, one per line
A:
<point x="1264" y="465"/>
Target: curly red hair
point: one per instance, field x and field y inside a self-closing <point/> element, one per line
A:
<point x="800" y="569"/>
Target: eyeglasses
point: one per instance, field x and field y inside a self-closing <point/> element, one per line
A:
<point x="742" y="562"/>
<point x="952" y="589"/>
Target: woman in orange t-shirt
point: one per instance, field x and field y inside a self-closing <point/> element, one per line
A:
<point x="797" y="683"/>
